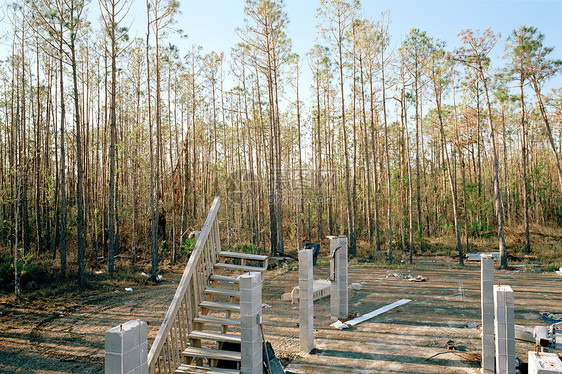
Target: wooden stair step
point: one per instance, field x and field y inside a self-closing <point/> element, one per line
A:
<point x="223" y="306"/>
<point x="244" y="268"/>
<point x="221" y="291"/>
<point x="213" y="354"/>
<point x="187" y="369"/>
<point x="246" y="256"/>
<point x="225" y="278"/>
<point x="217" y="320"/>
<point x="216" y="336"/>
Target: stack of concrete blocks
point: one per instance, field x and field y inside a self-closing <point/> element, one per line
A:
<point x="544" y="363"/>
<point x="126" y="348"/>
<point x="487" y="306"/>
<point x="250" y="319"/>
<point x="306" y="301"/>
<point x="504" y="329"/>
<point x="339" y="297"/>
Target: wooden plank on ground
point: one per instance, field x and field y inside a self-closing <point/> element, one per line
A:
<point x="376" y="312"/>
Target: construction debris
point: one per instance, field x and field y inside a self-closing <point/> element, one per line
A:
<point x="551" y="317"/>
<point x="339" y="325"/>
<point x="194" y="234"/>
<point x="419" y="278"/>
<point x="450" y="345"/>
<point x="396" y="275"/>
<point x="320" y="289"/>
<point x="474" y="357"/>
<point x="523" y="265"/>
<point x="524" y="333"/>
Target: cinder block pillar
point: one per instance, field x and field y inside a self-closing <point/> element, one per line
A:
<point x="338" y="297"/>
<point x="544" y="363"/>
<point x="504" y="329"/>
<point x="250" y="319"/>
<point x="306" y="301"/>
<point x="487" y="306"/>
<point x="126" y="348"/>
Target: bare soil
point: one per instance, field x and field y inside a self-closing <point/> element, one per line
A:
<point x="66" y="334"/>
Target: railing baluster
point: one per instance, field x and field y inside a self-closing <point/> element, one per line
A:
<point x="189" y="310"/>
<point x="217" y="239"/>
<point x="168" y="355"/>
<point x="208" y="257"/>
<point x="181" y="323"/>
<point x="164" y="360"/>
<point x="196" y="290"/>
<point x="166" y="352"/>
<point x="211" y="242"/>
<point x="175" y="346"/>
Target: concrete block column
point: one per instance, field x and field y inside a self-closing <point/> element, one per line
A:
<point x="504" y="330"/>
<point x="487" y="307"/>
<point x="250" y="318"/>
<point x="126" y="348"/>
<point x="306" y="301"/>
<point x="338" y="297"/>
<point x="544" y="363"/>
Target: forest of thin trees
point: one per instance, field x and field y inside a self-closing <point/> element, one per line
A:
<point x="112" y="146"/>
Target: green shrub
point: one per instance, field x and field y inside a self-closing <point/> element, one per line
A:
<point x="481" y="228"/>
<point x="26" y="269"/>
<point x="188" y="246"/>
<point x="247" y="248"/>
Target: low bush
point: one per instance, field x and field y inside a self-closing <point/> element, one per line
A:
<point x="26" y="269"/>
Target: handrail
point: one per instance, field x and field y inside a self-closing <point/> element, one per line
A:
<point x="165" y="352"/>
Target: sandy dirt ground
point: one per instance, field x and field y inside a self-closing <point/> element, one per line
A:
<point x="66" y="335"/>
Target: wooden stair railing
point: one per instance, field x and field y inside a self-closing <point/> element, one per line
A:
<point x="165" y="354"/>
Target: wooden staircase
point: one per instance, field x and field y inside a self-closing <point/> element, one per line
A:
<point x="201" y="330"/>
<point x="215" y="339"/>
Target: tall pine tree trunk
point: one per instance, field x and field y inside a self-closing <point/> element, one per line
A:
<point x="497" y="186"/>
<point x="524" y="167"/>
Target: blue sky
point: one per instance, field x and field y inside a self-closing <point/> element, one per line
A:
<point x="211" y="23"/>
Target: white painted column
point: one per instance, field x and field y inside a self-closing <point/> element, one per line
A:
<point x="339" y="297"/>
<point x="126" y="348"/>
<point x="306" y="301"/>
<point x="250" y="318"/>
<point x="487" y="306"/>
<point x="504" y="330"/>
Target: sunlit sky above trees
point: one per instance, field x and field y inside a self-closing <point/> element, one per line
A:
<point x="212" y="23"/>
